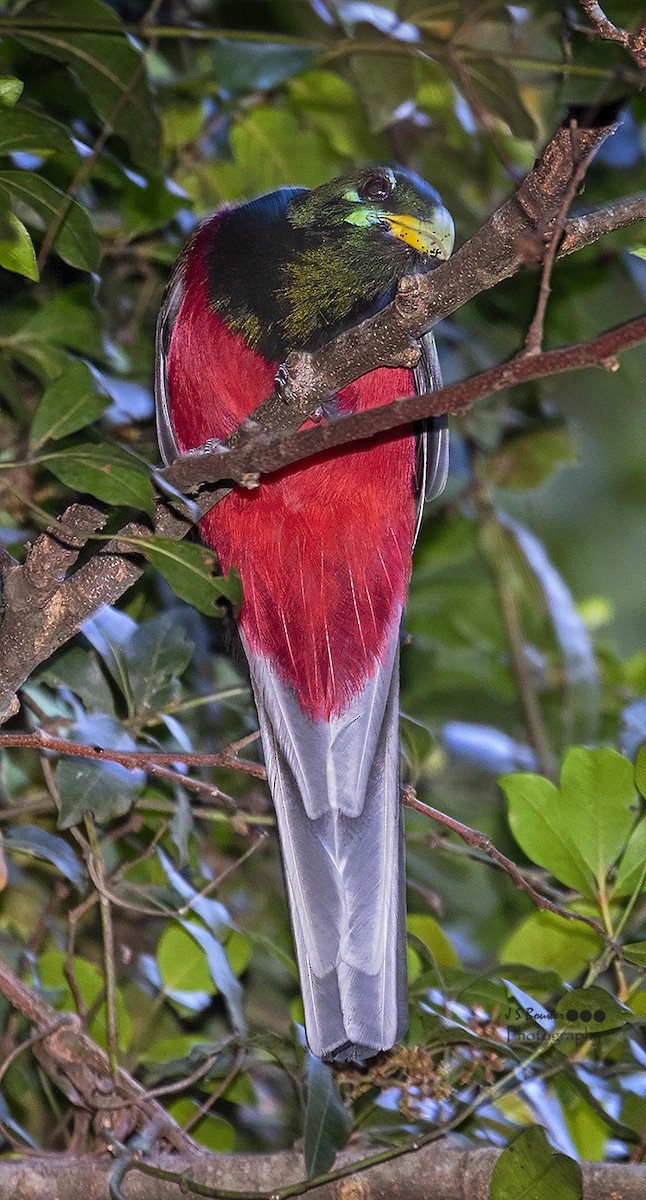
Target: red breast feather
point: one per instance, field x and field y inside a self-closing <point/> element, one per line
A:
<point x="323" y="548"/>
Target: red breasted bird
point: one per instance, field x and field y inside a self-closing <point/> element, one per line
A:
<point x="323" y="549"/>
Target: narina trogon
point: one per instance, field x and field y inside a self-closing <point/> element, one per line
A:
<point x="323" y="549"/>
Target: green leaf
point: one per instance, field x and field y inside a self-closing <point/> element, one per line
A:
<point x="29" y="132"/>
<point x="157" y="652"/>
<point x="527" y="460"/>
<point x="71" y="318"/>
<point x="631" y="871"/>
<point x="551" y="943"/>
<point x="330" y="105"/>
<point x="224" y="980"/>
<point x="211" y="1131"/>
<point x="29" y="839"/>
<point x="109" y="68"/>
<point x="498" y="91"/>
<point x="10" y="90"/>
<point x="326" y="1123"/>
<point x="640" y="770"/>
<point x="590" y="1010"/>
<point x="598" y="794"/>
<point x="639" y="252"/>
<point x="384" y="82"/>
<point x="635" y="953"/>
<point x="90" y="984"/>
<point x="70" y="403"/>
<point x="270" y="148"/>
<point x="189" y="571"/>
<point x="540" y="823"/>
<point x="79" y="670"/>
<point x="105" y="471"/>
<point x="529" y="1169"/>
<point x="75" y="241"/>
<point x="105" y="788"/>
<point x="257" y="66"/>
<point x="182" y="963"/>
<point x="426" y="928"/>
<point x="17" y="249"/>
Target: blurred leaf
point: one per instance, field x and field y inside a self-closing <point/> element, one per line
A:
<point x="631" y="870"/>
<point x="330" y="105"/>
<point x="270" y="149"/>
<point x="221" y="973"/>
<point x="109" y="67"/>
<point x="530" y="1169"/>
<point x="105" y="471"/>
<point x="158" y="651"/>
<point x="104" y="788"/>
<point x="10" y="90"/>
<point x="188" y="568"/>
<point x="23" y="131"/>
<point x="384" y="84"/>
<point x="79" y="671"/>
<point x="182" y="963"/>
<point x="70" y="318"/>
<point x="528" y="459"/>
<point x="640" y="771"/>
<point x="635" y="953"/>
<point x="75" y="241"/>
<point x="581" y="700"/>
<point x="17" y="249"/>
<point x="426" y="928"/>
<point x="90" y="985"/>
<point x="590" y="1010"/>
<point x="257" y="66"/>
<point x="29" y="839"/>
<point x="70" y="403"/>
<point x="211" y="1131"/>
<point x="499" y="94"/>
<point x="150" y="207"/>
<point x="550" y="942"/>
<point x="326" y="1123"/>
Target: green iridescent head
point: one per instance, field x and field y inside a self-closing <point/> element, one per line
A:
<point x="292" y="269"/>
<point x="379" y="204"/>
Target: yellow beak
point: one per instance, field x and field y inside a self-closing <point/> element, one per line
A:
<point x="433" y="235"/>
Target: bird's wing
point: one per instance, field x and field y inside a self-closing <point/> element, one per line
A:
<point x="165" y="323"/>
<point x="433" y="437"/>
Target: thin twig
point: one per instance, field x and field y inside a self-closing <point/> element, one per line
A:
<point x="97" y="870"/>
<point x="129" y="758"/>
<point x="481" y="841"/>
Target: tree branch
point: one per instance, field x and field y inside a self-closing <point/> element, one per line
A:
<point x="635" y="43"/>
<point x="516" y="233"/>
<point x="82" y="1070"/>
<point x="440" y="1171"/>
<point x="481" y="841"/>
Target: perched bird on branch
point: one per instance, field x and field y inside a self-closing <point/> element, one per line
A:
<point x="323" y="549"/>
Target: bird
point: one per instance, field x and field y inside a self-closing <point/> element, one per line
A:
<point x="323" y="549"/>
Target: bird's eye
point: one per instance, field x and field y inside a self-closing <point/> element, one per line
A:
<point x="377" y="187"/>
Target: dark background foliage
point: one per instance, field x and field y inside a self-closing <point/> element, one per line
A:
<point x="111" y="150"/>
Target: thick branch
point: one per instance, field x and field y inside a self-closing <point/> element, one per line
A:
<point x="436" y="1170"/>
<point x="82" y="1070"/>
<point x="262" y="455"/>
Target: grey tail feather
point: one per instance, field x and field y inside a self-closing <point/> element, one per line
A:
<point x="335" y="787"/>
